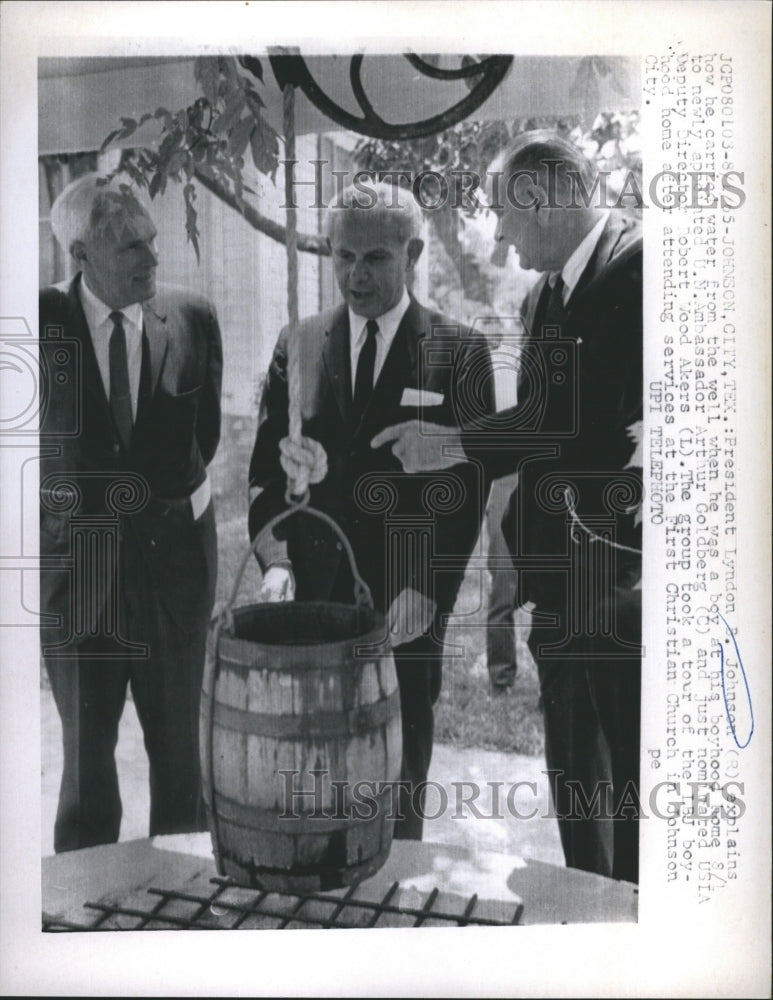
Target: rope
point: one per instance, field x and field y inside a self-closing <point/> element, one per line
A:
<point x="293" y="347"/>
<point x="592" y="534"/>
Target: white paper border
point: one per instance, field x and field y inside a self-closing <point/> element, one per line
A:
<point x="714" y="953"/>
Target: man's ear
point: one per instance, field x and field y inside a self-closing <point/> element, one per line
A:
<point x="78" y="251"/>
<point x="541" y="206"/>
<point x="414" y="248"/>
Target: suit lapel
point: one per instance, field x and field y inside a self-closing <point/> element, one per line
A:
<point x="337" y="361"/>
<point x="400" y="362"/>
<point x="79" y="328"/>
<point x="155" y="342"/>
<point x="399" y="365"/>
<point x="604" y="251"/>
<point x="536" y="303"/>
<point x="156" y="334"/>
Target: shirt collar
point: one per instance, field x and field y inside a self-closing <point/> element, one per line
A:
<point x="573" y="268"/>
<point x="387" y="323"/>
<point x="98" y="313"/>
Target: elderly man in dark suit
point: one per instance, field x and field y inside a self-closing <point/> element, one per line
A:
<point x="572" y="526"/>
<point x="130" y="420"/>
<point x="378" y="358"/>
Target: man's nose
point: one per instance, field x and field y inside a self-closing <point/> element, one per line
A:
<point x="360" y="270"/>
<point x="151" y="253"/>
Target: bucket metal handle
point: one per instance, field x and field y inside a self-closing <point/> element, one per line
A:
<point x="362" y="595"/>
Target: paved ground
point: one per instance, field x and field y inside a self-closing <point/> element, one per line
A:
<point x="471" y="825"/>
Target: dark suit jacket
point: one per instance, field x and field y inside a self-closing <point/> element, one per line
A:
<point x="365" y="490"/>
<point x="83" y="464"/>
<point x="581" y="391"/>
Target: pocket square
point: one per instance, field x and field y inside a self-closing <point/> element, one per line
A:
<point x="421" y="397"/>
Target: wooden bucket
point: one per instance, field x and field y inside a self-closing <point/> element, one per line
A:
<point x="300" y="735"/>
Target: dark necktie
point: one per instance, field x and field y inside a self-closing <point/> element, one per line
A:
<point x="366" y="364"/>
<point x="555" y="311"/>
<point x="551" y="312"/>
<point x="120" y="389"/>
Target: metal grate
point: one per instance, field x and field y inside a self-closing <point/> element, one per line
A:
<point x="228" y="907"/>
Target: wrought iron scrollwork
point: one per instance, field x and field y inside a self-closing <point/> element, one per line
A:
<point x="487" y="74"/>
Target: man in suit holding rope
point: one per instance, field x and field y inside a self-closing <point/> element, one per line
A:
<point x="377" y="359"/>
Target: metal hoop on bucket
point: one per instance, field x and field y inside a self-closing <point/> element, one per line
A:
<point x="362" y="599"/>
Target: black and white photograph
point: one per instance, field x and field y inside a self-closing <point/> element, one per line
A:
<point x="384" y="415"/>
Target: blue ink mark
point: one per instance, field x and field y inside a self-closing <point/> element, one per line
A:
<point x="741" y="746"/>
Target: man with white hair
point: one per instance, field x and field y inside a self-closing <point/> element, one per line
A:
<point x="129" y="422"/>
<point x="378" y="358"/>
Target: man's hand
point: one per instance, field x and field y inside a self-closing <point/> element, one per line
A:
<point x="421" y="446"/>
<point x="410" y="616"/>
<point x="278" y="585"/>
<point x="303" y="463"/>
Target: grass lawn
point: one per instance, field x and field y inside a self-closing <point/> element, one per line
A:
<point x="467" y="714"/>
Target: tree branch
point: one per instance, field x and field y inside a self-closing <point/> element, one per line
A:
<point x="309" y="242"/>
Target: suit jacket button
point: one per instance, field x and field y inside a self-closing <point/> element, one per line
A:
<point x="116" y="448"/>
<point x="153" y="542"/>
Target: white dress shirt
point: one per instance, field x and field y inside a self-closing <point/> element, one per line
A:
<point x="101" y="327"/>
<point x="387" y="328"/>
<point x="573" y="268"/>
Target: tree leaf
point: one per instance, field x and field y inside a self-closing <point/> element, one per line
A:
<point x="252" y="65"/>
<point x="176" y="161"/>
<point x="231" y="83"/>
<point x="172" y="141"/>
<point x="254" y="102"/>
<point x="113" y="135"/>
<point x="134" y="170"/>
<point x="198" y="150"/>
<point x="230" y="114"/>
<point x="208" y="75"/>
<point x="265" y="147"/>
<point x="191" y="218"/>
<point x="240" y="136"/>
<point x="166" y="115"/>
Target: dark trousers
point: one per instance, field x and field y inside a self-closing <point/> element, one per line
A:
<point x="419" y="666"/>
<point x="503" y="590"/>
<point x="592" y="714"/>
<point x="165" y="684"/>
